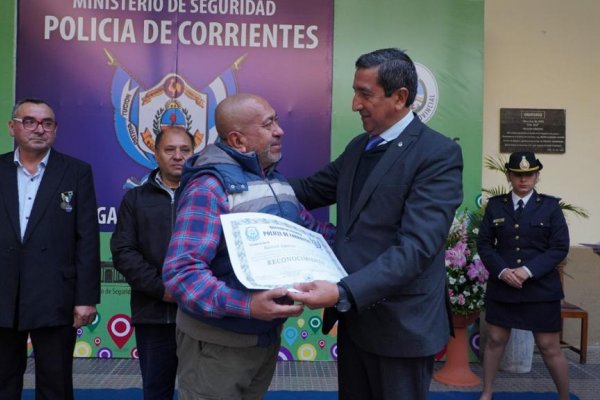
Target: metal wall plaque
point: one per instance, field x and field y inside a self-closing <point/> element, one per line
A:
<point x="534" y="129"/>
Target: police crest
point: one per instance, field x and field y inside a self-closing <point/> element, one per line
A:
<point x="140" y="114"/>
<point x="172" y="102"/>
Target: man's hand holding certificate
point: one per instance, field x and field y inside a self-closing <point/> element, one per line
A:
<point x="267" y="252"/>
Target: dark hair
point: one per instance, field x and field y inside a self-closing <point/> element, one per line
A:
<point x="396" y="70"/>
<point x="160" y="135"/>
<point x="27" y="100"/>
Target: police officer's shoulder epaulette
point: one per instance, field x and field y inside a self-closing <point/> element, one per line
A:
<point x="548" y="196"/>
<point x="500" y="197"/>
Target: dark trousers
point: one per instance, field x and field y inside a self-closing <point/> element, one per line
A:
<point x="367" y="376"/>
<point x="157" y="350"/>
<point x="53" y="353"/>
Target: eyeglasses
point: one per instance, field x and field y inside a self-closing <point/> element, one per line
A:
<point x="31" y="124"/>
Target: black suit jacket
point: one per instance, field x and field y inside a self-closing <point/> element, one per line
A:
<point x="57" y="264"/>
<point x="392" y="241"/>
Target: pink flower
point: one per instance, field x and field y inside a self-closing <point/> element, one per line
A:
<point x="466" y="275"/>
<point x="457" y="255"/>
<point x="476" y="271"/>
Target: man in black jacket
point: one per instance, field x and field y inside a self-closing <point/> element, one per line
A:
<point x="49" y="254"/>
<point x="138" y="246"/>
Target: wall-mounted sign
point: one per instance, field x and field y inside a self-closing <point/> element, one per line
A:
<point x="538" y="130"/>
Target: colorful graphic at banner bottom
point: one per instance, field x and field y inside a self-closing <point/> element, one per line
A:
<point x="113" y="336"/>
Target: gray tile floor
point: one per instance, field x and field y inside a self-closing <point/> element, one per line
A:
<point x="321" y="376"/>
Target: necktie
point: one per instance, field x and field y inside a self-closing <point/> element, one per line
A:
<point x="373" y="142"/>
<point x="520" y="206"/>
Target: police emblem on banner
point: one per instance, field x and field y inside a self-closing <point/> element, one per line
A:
<point x="140" y="114"/>
<point x="172" y="102"/>
<point x="427" y="97"/>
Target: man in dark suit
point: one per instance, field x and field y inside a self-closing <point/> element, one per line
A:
<point x="395" y="204"/>
<point x="49" y="255"/>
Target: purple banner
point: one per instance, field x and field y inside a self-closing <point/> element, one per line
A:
<point x="115" y="70"/>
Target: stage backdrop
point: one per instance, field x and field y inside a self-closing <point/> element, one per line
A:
<point x="113" y="73"/>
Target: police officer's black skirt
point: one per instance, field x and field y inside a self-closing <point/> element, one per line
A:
<point x="537" y="317"/>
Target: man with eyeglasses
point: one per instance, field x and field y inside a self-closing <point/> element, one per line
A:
<point x="49" y="254"/>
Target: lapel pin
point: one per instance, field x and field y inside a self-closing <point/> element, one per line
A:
<point x="400" y="144"/>
<point x="66" y="201"/>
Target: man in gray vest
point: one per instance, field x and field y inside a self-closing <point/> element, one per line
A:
<point x="228" y="336"/>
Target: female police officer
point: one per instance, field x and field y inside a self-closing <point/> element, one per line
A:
<point x="522" y="239"/>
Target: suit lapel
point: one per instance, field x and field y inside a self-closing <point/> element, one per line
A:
<point x="533" y="204"/>
<point x="347" y="181"/>
<point x="10" y="191"/>
<point x="47" y="194"/>
<point x="509" y="208"/>
<point x="397" y="149"/>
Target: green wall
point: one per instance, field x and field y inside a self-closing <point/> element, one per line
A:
<point x="446" y="36"/>
<point x="7" y="69"/>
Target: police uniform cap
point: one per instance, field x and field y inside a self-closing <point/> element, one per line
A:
<point x="523" y="161"/>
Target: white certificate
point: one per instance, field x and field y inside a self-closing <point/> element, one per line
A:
<point x="267" y="251"/>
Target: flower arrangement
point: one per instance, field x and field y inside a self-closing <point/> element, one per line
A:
<point x="466" y="273"/>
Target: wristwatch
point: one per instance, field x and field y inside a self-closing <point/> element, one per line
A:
<point x="343" y="305"/>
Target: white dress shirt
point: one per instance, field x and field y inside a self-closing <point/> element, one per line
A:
<point x="28" y="185"/>
<point x="395" y="130"/>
